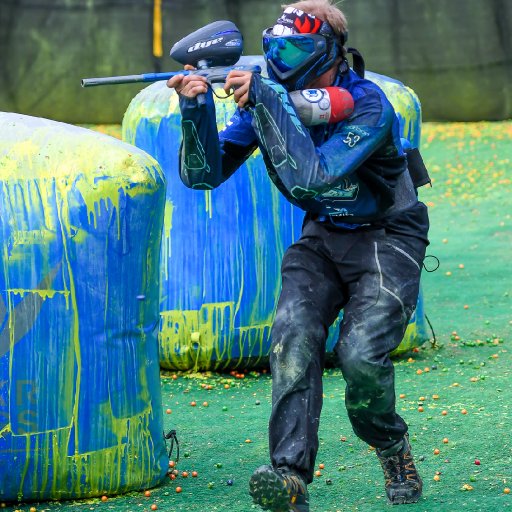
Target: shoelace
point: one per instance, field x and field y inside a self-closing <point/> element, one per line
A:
<point x="399" y="467"/>
<point x="294" y="484"/>
<point x="392" y="466"/>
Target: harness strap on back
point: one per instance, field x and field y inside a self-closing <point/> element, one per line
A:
<point x="417" y="168"/>
<point x="358" y="60"/>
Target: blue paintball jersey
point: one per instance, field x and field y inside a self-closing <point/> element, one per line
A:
<point x="353" y="171"/>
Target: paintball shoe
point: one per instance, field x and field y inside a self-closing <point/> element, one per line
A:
<point x="403" y="483"/>
<point x="279" y="490"/>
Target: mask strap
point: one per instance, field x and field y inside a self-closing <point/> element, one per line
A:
<point x="358" y="61"/>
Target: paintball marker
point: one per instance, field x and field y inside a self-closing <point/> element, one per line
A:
<point x="214" y="51"/>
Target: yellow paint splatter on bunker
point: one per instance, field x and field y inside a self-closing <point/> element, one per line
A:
<point x="81" y="218"/>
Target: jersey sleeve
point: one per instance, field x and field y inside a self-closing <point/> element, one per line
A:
<point x="208" y="158"/>
<point x="306" y="168"/>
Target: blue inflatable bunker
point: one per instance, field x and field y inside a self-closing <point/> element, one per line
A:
<point x="80" y="227"/>
<point x="222" y="249"/>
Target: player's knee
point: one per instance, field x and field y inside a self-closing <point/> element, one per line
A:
<point x="359" y="367"/>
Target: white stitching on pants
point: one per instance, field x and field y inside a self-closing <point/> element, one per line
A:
<point x="382" y="279"/>
<point x="406" y="255"/>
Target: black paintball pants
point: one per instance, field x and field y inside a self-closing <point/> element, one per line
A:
<point x="374" y="277"/>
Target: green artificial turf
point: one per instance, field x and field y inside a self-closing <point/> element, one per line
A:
<point x="467" y="300"/>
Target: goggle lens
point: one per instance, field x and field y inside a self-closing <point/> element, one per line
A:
<point x="288" y="52"/>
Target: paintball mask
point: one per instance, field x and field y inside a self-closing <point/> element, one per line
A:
<point x="299" y="48"/>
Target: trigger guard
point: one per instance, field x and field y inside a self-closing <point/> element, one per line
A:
<point x="216" y="79"/>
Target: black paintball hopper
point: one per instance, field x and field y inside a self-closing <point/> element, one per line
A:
<point x="217" y="44"/>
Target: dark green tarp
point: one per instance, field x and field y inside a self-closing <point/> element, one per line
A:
<point x="455" y="54"/>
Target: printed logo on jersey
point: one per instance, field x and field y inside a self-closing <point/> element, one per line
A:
<point x="345" y="191"/>
<point x="354" y="135"/>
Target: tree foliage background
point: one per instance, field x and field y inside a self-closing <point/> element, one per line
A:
<point x="455" y="54"/>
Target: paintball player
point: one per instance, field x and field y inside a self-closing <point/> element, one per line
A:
<point x="361" y="249"/>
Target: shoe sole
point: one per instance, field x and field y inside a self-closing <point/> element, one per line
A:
<point x="267" y="491"/>
<point x="403" y="500"/>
